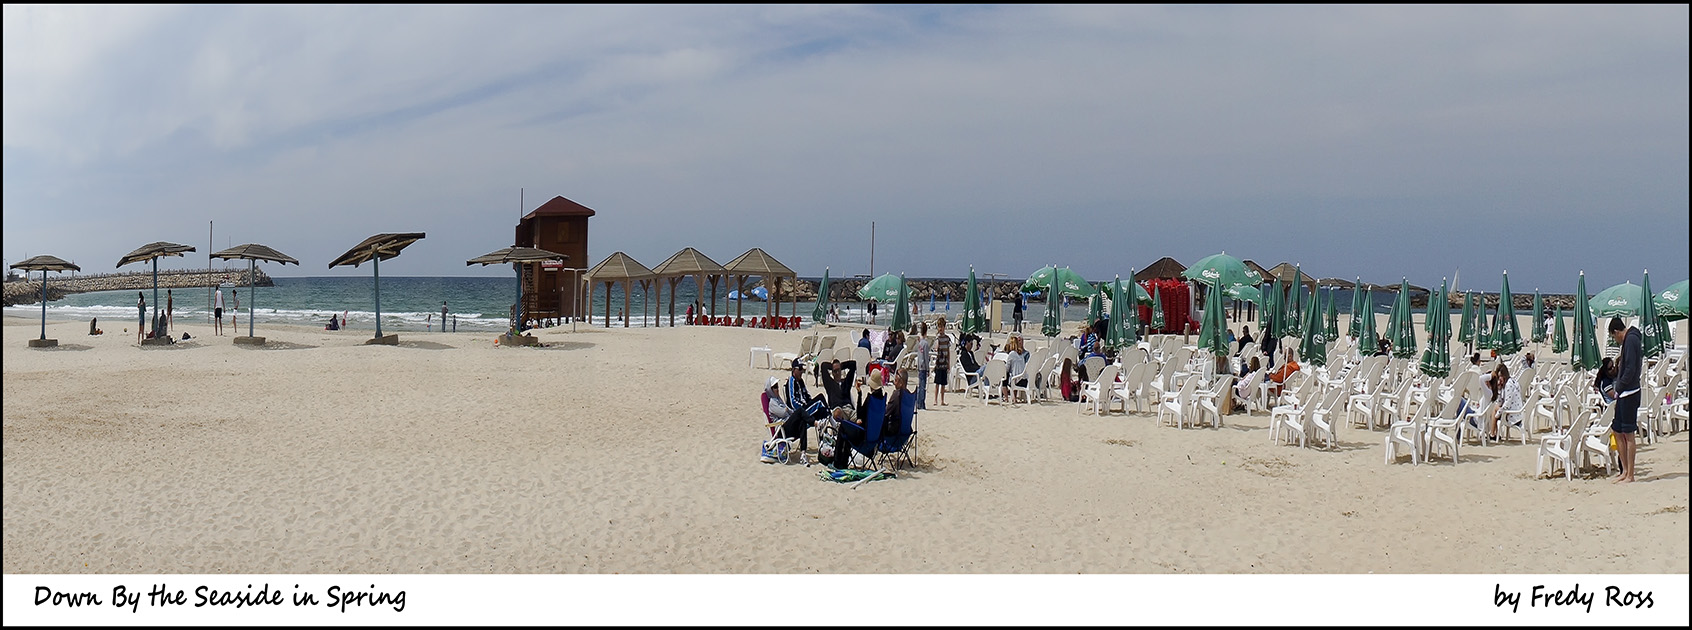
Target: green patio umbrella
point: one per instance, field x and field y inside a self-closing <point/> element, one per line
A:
<point x="1294" y="311"/>
<point x="1559" y="338"/>
<point x="1333" y="315"/>
<point x="1436" y="360"/>
<point x="1483" y="335"/>
<point x="818" y="314"/>
<point x="1583" y="354"/>
<point x="1243" y="292"/>
<point x="1355" y="331"/>
<point x="1404" y="343"/>
<point x="1651" y="328"/>
<point x="1221" y="270"/>
<point x="1213" y="327"/>
<point x="1157" y="310"/>
<point x="1313" y="347"/>
<point x="1140" y="295"/>
<point x="1366" y="342"/>
<point x="883" y="289"/>
<point x="1395" y="318"/>
<point x="973" y="320"/>
<point x="1052" y="323"/>
<point x="1671" y="303"/>
<point x="1095" y="305"/>
<point x="1466" y="323"/>
<point x="1506" y="334"/>
<point x="1539" y="331"/>
<point x="1119" y="334"/>
<point x="1621" y="300"/>
<point x="1068" y="282"/>
<point x="1275" y="307"/>
<point x="902" y="310"/>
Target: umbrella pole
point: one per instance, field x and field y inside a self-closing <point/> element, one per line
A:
<point x="252" y="294"/>
<point x="155" y="292"/>
<point x="376" y="285"/>
<point x="44" y="304"/>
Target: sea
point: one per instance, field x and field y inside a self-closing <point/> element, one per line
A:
<point x="474" y="304"/>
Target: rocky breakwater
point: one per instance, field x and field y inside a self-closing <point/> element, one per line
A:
<point x="29" y="291"/>
<point x="846" y="289"/>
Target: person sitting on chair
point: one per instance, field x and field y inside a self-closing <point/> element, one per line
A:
<point x="805" y="409"/>
<point x="1068" y="385"/>
<point x="966" y="358"/>
<point x="1242" y="396"/>
<point x="837" y="382"/>
<point x="854" y="431"/>
<point x="1605" y="382"/>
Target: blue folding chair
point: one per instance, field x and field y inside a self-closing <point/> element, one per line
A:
<point x="898" y="444"/>
<point x="874" y="411"/>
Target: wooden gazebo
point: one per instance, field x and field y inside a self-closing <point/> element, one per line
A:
<point x="1165" y="267"/>
<point x="618" y="267"/>
<point x="755" y="262"/>
<point x="689" y="262"/>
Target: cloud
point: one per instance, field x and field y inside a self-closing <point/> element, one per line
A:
<point x="1378" y="140"/>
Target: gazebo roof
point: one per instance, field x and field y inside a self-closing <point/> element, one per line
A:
<point x="154" y="250"/>
<point x="688" y="261"/>
<point x="1286" y="271"/>
<point x="618" y="266"/>
<point x="560" y="207"/>
<point x="757" y="263"/>
<point x="1261" y="272"/>
<point x="45" y="263"/>
<point x="380" y="247"/>
<point x="254" y="251"/>
<point x="1165" y="267"/>
<point x="515" y="255"/>
<point x="1337" y="283"/>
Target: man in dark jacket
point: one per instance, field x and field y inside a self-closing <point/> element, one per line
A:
<point x="1629" y="365"/>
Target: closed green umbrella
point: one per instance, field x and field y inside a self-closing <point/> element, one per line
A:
<point x="1276" y="308"/>
<point x="1436" y="360"/>
<point x="1671" y="303"/>
<point x="1333" y="315"/>
<point x="1313" y="347"/>
<point x="1583" y="354"/>
<point x="1221" y="270"/>
<point x="1213" y="334"/>
<point x="1395" y="318"/>
<point x="1506" y="334"/>
<point x="1559" y="338"/>
<point x="1131" y="316"/>
<point x="1366" y="342"/>
<point x="1157" y="310"/>
<point x="973" y="320"/>
<point x="1483" y="335"/>
<point x="1095" y="305"/>
<point x="902" y="310"/>
<point x="1539" y="331"/>
<point x="1051" y="324"/>
<point x="1118" y="334"/>
<point x="817" y="314"/>
<point x="1404" y="343"/>
<point x="1294" y="321"/>
<point x="1356" y="328"/>
<point x="1621" y="300"/>
<point x="1466" y="323"/>
<point x="1651" y="329"/>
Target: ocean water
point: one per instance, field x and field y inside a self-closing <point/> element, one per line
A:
<point x="473" y="304"/>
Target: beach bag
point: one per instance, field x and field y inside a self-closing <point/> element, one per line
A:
<point x="776" y="450"/>
<point x="827" y="434"/>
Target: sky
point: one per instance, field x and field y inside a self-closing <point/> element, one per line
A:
<point x="1380" y="142"/>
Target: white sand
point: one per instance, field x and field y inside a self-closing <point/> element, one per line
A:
<point x="636" y="451"/>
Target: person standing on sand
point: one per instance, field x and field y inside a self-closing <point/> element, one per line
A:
<point x="170" y="311"/>
<point x="141" y="332"/>
<point x="1016" y="312"/>
<point x="1628" y="366"/>
<point x="443" y="316"/>
<point x="924" y="355"/>
<point x="235" y="313"/>
<point x="942" y="361"/>
<point x="217" y="311"/>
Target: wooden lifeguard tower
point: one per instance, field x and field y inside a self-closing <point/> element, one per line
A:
<point x="552" y="290"/>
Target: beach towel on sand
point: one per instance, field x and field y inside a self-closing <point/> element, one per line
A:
<point x="848" y="476"/>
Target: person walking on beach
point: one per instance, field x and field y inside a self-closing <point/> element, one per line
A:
<point x="141" y="331"/>
<point x="443" y="316"/>
<point x="1628" y="367"/>
<point x="235" y="313"/>
<point x="1016" y="312"/>
<point x="217" y="311"/>
<point x="924" y="354"/>
<point x="170" y="311"/>
<point x="942" y="361"/>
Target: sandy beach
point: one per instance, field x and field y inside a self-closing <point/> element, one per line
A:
<point x="635" y="451"/>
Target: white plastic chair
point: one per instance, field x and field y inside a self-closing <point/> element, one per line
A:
<point x="1100" y="392"/>
<point x="1564" y="447"/>
<point x="1178" y="405"/>
<point x="993" y="375"/>
<point x="1407" y="433"/>
<point x="1208" y="401"/>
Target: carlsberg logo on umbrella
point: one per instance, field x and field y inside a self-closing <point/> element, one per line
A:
<point x="1671" y="296"/>
<point x="1618" y="302"/>
<point x="1211" y="274"/>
